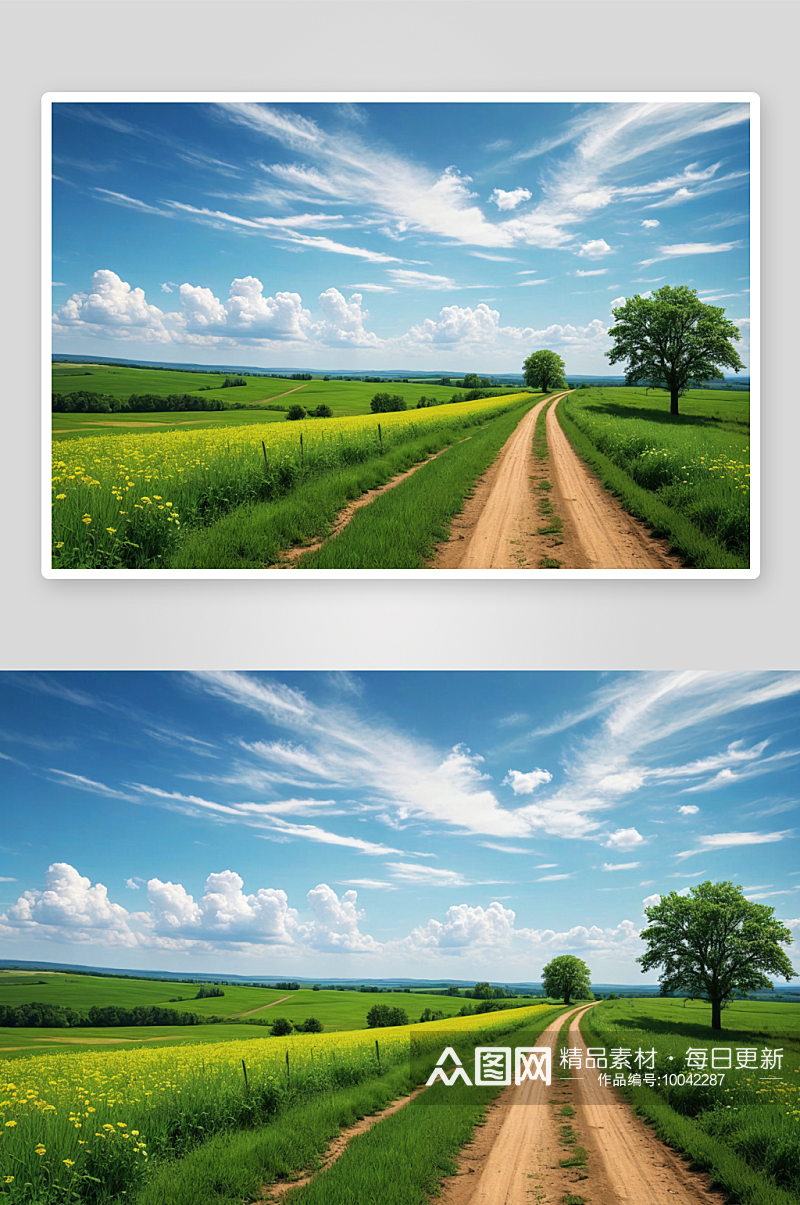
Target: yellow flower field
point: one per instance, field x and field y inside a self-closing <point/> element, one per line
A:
<point x="120" y="500"/>
<point x="68" y="1116"/>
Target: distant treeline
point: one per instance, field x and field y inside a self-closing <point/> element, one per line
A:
<point x="59" y="1016"/>
<point x="84" y="402"/>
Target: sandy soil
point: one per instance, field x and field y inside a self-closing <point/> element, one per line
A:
<point x="261" y="1007"/>
<point x="627" y="1162"/>
<point x="498" y="527"/>
<point x="276" y="1192"/>
<point x="609" y="537"/>
<point x="513" y="1158"/>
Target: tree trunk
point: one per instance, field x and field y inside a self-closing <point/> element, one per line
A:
<point x="716" y="1015"/>
<point x="673" y="401"/>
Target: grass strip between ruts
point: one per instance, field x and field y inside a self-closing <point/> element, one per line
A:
<point x="400" y="529"/>
<point x="697" y="549"/>
<point x="254" y="535"/>
<point x="727" y="1170"/>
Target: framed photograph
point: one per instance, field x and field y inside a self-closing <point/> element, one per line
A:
<point x="391" y="335"/>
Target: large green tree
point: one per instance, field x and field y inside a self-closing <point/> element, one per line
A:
<point x="543" y="370"/>
<point x="568" y="977"/>
<point x="673" y="339"/>
<point x="712" y="943"/>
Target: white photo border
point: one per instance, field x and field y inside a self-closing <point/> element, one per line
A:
<point x="751" y="98"/>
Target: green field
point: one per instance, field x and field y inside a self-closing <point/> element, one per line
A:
<point x="745" y="1129"/>
<point x="336" y="1010"/>
<point x="184" y="1122"/>
<point x="343" y="397"/>
<point x="687" y="476"/>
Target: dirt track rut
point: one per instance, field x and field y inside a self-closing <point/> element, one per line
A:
<point x="609" y="537"/>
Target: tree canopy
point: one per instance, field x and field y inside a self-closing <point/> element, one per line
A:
<point x="672" y="339"/>
<point x="543" y="370"/>
<point x="568" y="977"/>
<point x="712" y="943"/>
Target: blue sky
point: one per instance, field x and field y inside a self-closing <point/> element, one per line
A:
<point x="422" y="824"/>
<point x="402" y="235"/>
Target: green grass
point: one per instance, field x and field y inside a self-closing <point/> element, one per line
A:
<point x="404" y="1158"/>
<point x="400" y="529"/>
<point x="688" y="476"/>
<point x="343" y="397"/>
<point x="744" y="1130"/>
<point x="337" y="1011"/>
<point x="68" y="426"/>
<point x="254" y="535"/>
<point x="233" y="1167"/>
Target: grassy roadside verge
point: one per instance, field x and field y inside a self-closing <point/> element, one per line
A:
<point x="551" y="522"/>
<point x="743" y="1182"/>
<point x="400" y="529"/>
<point x="233" y="1167"/>
<point x="254" y="535"/>
<point x="698" y="550"/>
<point x="405" y="1157"/>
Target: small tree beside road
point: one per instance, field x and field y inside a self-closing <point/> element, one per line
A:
<point x="543" y="370"/>
<point x="567" y="977"/>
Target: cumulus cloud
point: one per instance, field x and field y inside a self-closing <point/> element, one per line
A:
<point x="526" y="783"/>
<point x="650" y="223"/>
<point x="69" y="906"/>
<point x="595" y="248"/>
<point x="509" y="200"/>
<point x="472" y="930"/>
<point x="688" y="809"/>
<point x="651" y="900"/>
<point x="624" y="838"/>
<point x="111" y="306"/>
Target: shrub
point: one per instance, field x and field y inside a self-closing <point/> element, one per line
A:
<point x="311" y="1025"/>
<point x="281" y="1027"/>
<point x="322" y="411"/>
<point x="382" y="403"/>
<point x="382" y="1015"/>
<point x="295" y="412"/>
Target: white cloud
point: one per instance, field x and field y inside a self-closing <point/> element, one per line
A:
<point x="69" y="906"/>
<point x="731" y="840"/>
<point x="618" y="301"/>
<point x="373" y="288"/>
<point x="553" y="878"/>
<point x="651" y="223"/>
<point x="343" y="325"/>
<point x="592" y="272"/>
<point x="428" y="876"/>
<point x="674" y="250"/>
<point x="651" y="900"/>
<point x="526" y="783"/>
<point x="624" y="838"/>
<point x="335" y="923"/>
<point x="595" y="248"/>
<point x="112" y="305"/>
<point x="620" y="865"/>
<point x="509" y="200"/>
<point x="688" y="809"/>
<point x="132" y="884"/>
<point x="420" y="280"/>
<point x="167" y="287"/>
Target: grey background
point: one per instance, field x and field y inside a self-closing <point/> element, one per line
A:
<point x="449" y="45"/>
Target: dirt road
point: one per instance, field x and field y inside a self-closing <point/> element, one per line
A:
<point x="609" y="537"/>
<point x="628" y="1162"/>
<point x="497" y="528"/>
<point x="574" y="1140"/>
<point x="500" y="1171"/>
